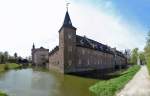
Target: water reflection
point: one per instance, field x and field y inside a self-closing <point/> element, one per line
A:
<point x="28" y="82"/>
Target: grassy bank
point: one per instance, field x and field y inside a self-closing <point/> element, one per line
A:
<point x="148" y="67"/>
<point x="4" y="67"/>
<point x="3" y="94"/>
<point x="110" y="87"/>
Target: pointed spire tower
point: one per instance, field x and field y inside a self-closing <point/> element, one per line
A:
<point x="67" y="44"/>
<point x="67" y="22"/>
<point x="33" y="46"/>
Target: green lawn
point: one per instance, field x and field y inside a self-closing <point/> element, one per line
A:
<point x="110" y="87"/>
<point x="13" y="66"/>
<point x="3" y="94"/>
<point x="3" y="67"/>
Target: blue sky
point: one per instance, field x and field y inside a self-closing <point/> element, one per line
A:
<point x="117" y="23"/>
<point x="134" y="12"/>
<point x="138" y="10"/>
<point x="131" y="10"/>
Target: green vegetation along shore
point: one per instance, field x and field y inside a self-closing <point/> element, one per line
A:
<point x="148" y="67"/>
<point x="147" y="52"/>
<point x="110" y="87"/>
<point x="3" y="94"/>
<point x="5" y="67"/>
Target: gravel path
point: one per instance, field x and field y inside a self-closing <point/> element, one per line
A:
<point x="139" y="85"/>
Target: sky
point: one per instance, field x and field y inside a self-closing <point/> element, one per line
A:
<point x="117" y="23"/>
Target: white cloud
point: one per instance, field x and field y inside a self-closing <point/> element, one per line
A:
<point x="109" y="27"/>
<point x="23" y="22"/>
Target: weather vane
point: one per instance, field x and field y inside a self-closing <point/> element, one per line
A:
<point x="67" y="5"/>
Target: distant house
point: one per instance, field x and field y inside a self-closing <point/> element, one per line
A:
<point x="39" y="56"/>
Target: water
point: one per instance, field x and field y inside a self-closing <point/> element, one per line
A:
<point x="28" y="82"/>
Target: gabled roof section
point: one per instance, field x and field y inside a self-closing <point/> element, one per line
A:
<point x="67" y="22"/>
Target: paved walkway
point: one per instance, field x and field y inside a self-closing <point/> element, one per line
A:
<point x="139" y="85"/>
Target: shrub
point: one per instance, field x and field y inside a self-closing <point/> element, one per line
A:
<point x="6" y="67"/>
<point x="3" y="94"/>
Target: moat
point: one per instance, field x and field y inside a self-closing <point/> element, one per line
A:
<point x="29" y="82"/>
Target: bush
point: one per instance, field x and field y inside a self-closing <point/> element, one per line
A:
<point x="148" y="67"/>
<point x="6" y="67"/>
<point x="3" y="94"/>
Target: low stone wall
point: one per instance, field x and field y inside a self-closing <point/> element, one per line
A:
<point x="54" y="62"/>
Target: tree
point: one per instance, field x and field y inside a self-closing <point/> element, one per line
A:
<point x="134" y="56"/>
<point x="11" y="59"/>
<point x="2" y="59"/>
<point x="15" y="55"/>
<point x="6" y="56"/>
<point x="142" y="57"/>
<point x="128" y="55"/>
<point x="147" y="47"/>
<point x="147" y="51"/>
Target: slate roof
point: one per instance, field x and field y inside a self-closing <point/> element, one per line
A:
<point x="89" y="43"/>
<point x="67" y="22"/>
<point x="41" y="48"/>
<point x="54" y="50"/>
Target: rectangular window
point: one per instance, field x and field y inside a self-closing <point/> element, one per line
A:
<point x="69" y="36"/>
<point x="70" y="48"/>
<point x="98" y="61"/>
<point x="83" y="51"/>
<point x="88" y="62"/>
<point x="70" y="62"/>
<point x="80" y="62"/>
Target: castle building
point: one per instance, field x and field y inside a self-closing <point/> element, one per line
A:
<point x="76" y="53"/>
<point x="39" y="56"/>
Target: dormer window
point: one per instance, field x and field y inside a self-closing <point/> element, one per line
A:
<point x="93" y="45"/>
<point x="81" y="41"/>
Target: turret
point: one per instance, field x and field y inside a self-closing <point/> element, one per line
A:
<point x="67" y="44"/>
<point x="33" y="46"/>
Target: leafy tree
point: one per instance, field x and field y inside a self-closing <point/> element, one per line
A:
<point x="6" y="58"/>
<point x="134" y="56"/>
<point x="6" y="55"/>
<point x="142" y="57"/>
<point x="2" y="59"/>
<point x="128" y="55"/>
<point x="147" y="51"/>
<point x="15" y="55"/>
<point x="11" y="59"/>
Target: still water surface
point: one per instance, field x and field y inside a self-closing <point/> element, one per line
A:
<point x="28" y="82"/>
